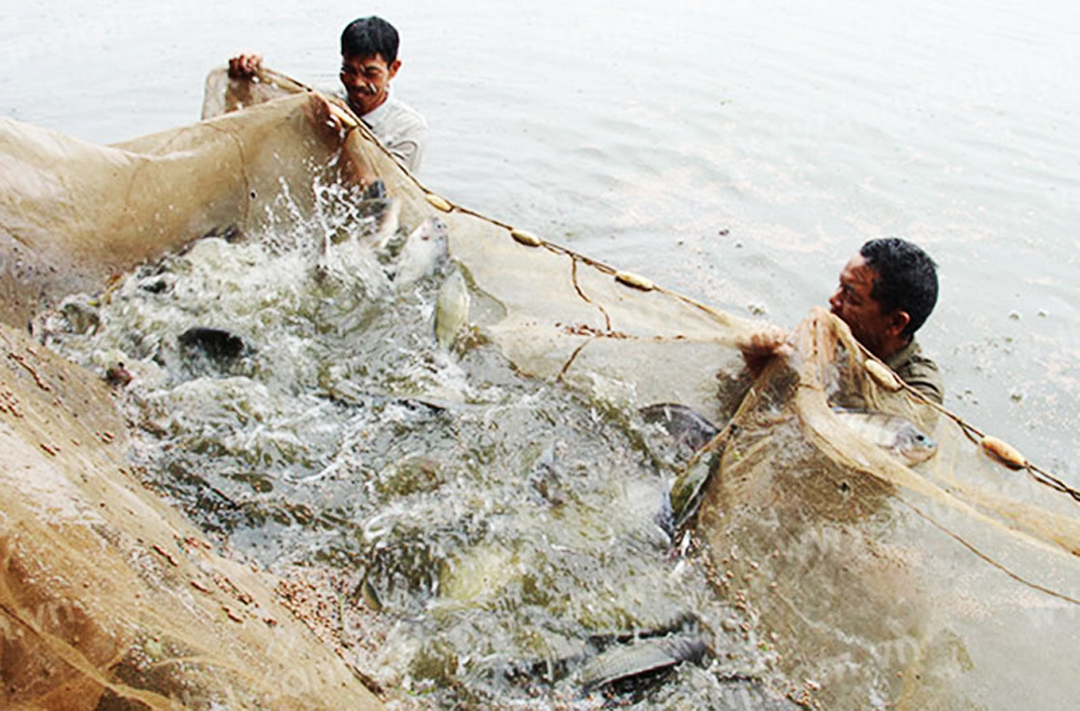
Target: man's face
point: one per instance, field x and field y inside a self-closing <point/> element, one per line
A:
<point x="855" y="307"/>
<point x="366" y="80"/>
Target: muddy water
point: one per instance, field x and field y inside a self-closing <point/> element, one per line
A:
<point x="737" y="152"/>
<point x="501" y="532"/>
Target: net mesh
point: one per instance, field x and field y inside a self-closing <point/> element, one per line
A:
<point x="950" y="584"/>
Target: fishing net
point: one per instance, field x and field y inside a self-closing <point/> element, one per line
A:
<point x="862" y="581"/>
<point x="944" y="585"/>
<point x="108" y="598"/>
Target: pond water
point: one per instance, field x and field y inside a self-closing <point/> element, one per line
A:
<point x="479" y="538"/>
<point x="737" y="152"/>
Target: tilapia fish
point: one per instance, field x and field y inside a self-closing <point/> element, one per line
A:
<point x="890" y="432"/>
<point x="451" y="309"/>
<point x="683" y="424"/>
<point x="644" y="657"/>
<point x="425" y="251"/>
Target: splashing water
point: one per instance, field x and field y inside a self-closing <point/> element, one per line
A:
<point x="481" y="534"/>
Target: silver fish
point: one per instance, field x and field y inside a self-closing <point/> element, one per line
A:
<point x="451" y="309"/>
<point x="644" y="657"/>
<point x="890" y="432"/>
<point x="683" y="424"/>
<point x="425" y="251"/>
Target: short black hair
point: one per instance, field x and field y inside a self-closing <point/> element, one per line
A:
<point x="905" y="279"/>
<point x="368" y="36"/>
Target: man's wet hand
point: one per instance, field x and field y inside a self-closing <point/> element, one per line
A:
<point x="767" y="341"/>
<point x="245" y="66"/>
<point x="333" y="123"/>
<point x="324" y="119"/>
<point x="759" y="347"/>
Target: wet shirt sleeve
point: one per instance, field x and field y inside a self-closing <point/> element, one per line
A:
<point x="921" y="373"/>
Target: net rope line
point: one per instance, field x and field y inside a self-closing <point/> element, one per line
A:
<point x="809" y="396"/>
<point x="973" y="433"/>
<point x="929" y="489"/>
<point x="986" y="558"/>
<point x="350" y="122"/>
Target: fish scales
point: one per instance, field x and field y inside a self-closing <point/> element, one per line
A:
<point x="645" y="656"/>
<point x="890" y="432"/>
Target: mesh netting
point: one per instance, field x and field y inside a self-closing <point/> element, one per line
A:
<point x="948" y="584"/>
<point x="944" y="585"/>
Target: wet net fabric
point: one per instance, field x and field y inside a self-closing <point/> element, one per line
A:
<point x="108" y="598"/>
<point x="944" y="585"/>
<point x="952" y="584"/>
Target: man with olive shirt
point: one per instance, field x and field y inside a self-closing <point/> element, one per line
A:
<point x="886" y="293"/>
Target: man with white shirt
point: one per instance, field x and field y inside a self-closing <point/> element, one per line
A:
<point x="369" y="47"/>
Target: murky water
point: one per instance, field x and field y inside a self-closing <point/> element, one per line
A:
<point x="291" y="395"/>
<point x="737" y="152"/>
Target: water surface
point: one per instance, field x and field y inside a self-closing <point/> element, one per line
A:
<point x="738" y="152"/>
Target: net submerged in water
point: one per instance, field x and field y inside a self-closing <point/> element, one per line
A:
<point x="836" y="574"/>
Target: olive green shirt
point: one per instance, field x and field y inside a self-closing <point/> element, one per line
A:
<point x="918" y="371"/>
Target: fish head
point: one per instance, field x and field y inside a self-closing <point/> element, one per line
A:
<point x="892" y="433"/>
<point x="435" y="230"/>
<point x="436" y="236"/>
<point x="914" y="444"/>
<point x="684" y="425"/>
<point x="429" y="234"/>
<point x="426" y="251"/>
<point x="375" y="190"/>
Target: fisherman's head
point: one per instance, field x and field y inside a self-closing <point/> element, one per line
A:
<point x="886" y="293"/>
<point x="369" y="48"/>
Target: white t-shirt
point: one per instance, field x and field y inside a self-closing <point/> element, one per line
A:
<point x="399" y="127"/>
